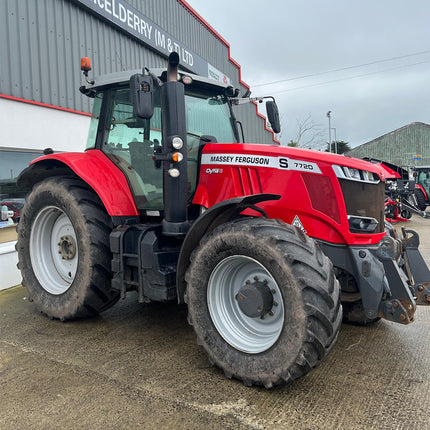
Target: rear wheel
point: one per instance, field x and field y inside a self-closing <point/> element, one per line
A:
<point x="263" y="300"/>
<point x="63" y="249"/>
<point x="421" y="199"/>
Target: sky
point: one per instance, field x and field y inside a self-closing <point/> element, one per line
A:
<point x="382" y="47"/>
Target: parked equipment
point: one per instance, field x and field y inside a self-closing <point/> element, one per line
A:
<point x="262" y="242"/>
<point x="400" y="192"/>
<point x="422" y="186"/>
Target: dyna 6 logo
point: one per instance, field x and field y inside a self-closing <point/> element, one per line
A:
<point x="282" y="163"/>
<point x="210" y="171"/>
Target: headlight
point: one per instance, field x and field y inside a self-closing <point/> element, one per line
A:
<point x="344" y="172"/>
<point x="362" y="224"/>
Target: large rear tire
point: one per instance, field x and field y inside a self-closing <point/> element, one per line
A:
<point x="421" y="200"/>
<point x="63" y="249"/>
<point x="263" y="300"/>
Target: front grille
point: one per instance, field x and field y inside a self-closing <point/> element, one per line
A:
<point x="364" y="199"/>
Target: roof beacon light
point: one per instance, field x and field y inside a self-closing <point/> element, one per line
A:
<point x="86" y="67"/>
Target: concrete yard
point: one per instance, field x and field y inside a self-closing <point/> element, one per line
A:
<point x="138" y="366"/>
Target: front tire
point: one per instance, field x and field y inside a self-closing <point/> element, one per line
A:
<point x="263" y="301"/>
<point x="63" y="249"/>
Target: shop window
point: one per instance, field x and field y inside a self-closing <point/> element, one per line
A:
<point x="12" y="199"/>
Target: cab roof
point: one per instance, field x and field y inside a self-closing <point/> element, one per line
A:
<point x="124" y="77"/>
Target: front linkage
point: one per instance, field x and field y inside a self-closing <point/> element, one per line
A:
<point x="408" y="276"/>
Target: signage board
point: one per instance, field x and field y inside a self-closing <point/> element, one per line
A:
<point x="129" y="19"/>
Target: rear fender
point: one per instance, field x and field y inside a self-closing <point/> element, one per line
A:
<point x="95" y="169"/>
<point x="218" y="214"/>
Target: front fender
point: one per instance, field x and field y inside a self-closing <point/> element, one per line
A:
<point x="218" y="214"/>
<point x="94" y="168"/>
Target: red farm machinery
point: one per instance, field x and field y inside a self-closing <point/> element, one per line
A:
<point x="270" y="247"/>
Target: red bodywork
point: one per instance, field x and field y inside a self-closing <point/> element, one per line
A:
<point x="103" y="176"/>
<point x="308" y="186"/>
<point x="305" y="179"/>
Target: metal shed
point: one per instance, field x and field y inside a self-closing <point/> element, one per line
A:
<point x="406" y="146"/>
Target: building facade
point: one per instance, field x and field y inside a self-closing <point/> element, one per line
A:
<point x="41" y="45"/>
<point x="406" y="146"/>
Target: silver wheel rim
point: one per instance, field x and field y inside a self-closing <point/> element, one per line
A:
<point x="53" y="250"/>
<point x="250" y="335"/>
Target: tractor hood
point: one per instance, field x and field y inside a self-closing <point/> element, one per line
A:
<point x="287" y="158"/>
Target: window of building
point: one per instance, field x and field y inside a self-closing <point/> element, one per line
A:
<point x="12" y="199"/>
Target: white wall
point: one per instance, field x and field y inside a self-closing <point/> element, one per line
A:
<point x="10" y="275"/>
<point x="28" y="126"/>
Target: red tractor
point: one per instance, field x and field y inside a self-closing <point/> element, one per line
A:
<point x="261" y="242"/>
<point x="422" y="186"/>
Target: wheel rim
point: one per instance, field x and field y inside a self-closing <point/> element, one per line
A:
<point x="53" y="250"/>
<point x="248" y="334"/>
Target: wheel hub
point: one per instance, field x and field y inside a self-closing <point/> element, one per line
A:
<point x="67" y="247"/>
<point x="255" y="299"/>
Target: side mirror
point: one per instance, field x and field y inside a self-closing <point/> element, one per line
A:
<point x="273" y="115"/>
<point x="142" y="95"/>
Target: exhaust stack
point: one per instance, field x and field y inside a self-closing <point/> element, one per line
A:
<point x="174" y="141"/>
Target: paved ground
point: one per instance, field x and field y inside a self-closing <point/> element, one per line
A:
<point x="137" y="366"/>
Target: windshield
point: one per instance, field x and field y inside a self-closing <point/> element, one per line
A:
<point x="130" y="141"/>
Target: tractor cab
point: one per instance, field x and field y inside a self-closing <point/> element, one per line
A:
<point x="152" y="125"/>
<point x="422" y="185"/>
<point x="132" y="142"/>
<point x="422" y="176"/>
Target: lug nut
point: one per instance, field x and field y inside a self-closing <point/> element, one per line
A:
<point x="273" y="291"/>
<point x="271" y="313"/>
<point x="420" y="288"/>
<point x="402" y="317"/>
<point x="255" y="278"/>
<point x="275" y="303"/>
<point x="395" y="304"/>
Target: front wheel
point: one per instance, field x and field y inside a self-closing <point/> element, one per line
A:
<point x="63" y="249"/>
<point x="263" y="301"/>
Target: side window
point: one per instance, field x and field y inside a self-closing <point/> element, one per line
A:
<point x="130" y="143"/>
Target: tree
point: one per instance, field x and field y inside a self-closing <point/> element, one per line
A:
<point x="342" y="147"/>
<point x="293" y="144"/>
<point x="308" y="132"/>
